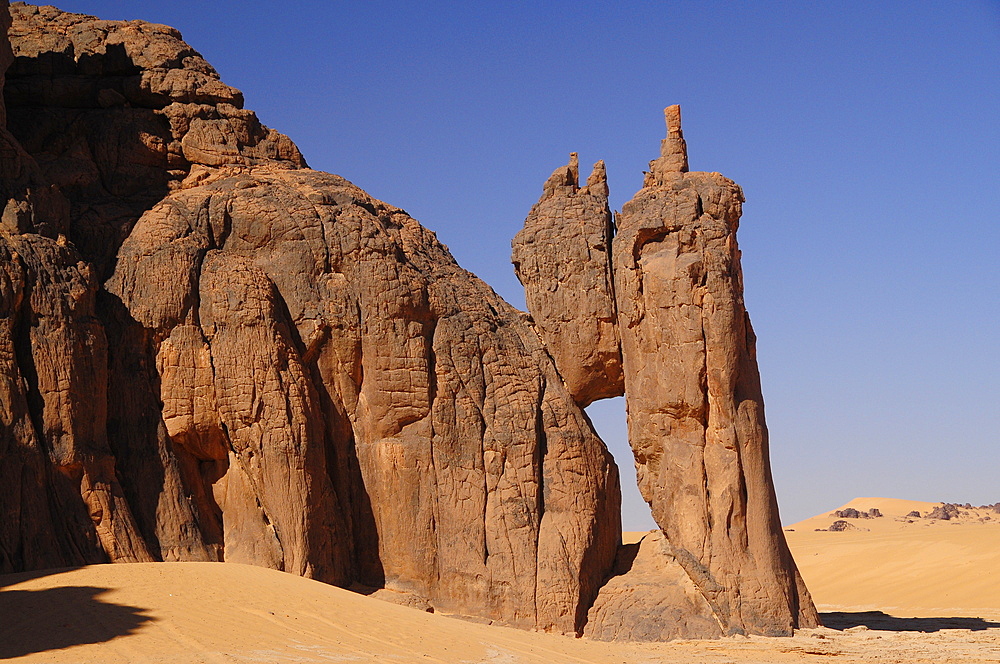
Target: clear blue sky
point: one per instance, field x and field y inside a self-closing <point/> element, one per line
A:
<point x="866" y="137"/>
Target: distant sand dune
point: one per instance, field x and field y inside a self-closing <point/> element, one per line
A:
<point x="902" y="565"/>
<point x="897" y="592"/>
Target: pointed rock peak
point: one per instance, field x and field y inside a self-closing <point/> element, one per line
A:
<point x="672" y="114"/>
<point x="597" y="183"/>
<point x="673" y="149"/>
<point x="564" y="176"/>
<point x="574" y="168"/>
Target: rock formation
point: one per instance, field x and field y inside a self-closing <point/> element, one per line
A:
<point x="562" y="256"/>
<point x="692" y="388"/>
<point x="695" y="410"/>
<point x="851" y="513"/>
<point x="210" y="352"/>
<point x="651" y="598"/>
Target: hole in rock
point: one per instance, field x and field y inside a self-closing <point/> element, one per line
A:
<point x="608" y="416"/>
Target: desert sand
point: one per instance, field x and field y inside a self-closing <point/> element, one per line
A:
<point x="890" y="591"/>
<point x="904" y="566"/>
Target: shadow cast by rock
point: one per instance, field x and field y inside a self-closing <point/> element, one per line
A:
<point x="34" y="621"/>
<point x="879" y="620"/>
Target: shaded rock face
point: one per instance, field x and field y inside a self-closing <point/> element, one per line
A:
<point x="695" y="410"/>
<point x="562" y="256"/>
<point x="211" y="352"/>
<point x="61" y="499"/>
<point x="116" y="114"/>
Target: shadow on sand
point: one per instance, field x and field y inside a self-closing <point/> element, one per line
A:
<point x="34" y="621"/>
<point x="879" y="620"/>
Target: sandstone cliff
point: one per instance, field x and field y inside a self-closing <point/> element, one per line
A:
<point x="209" y="351"/>
<point x="212" y="352"/>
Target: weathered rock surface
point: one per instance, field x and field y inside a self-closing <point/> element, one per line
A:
<point x="384" y="410"/>
<point x="562" y="257"/>
<point x="695" y="410"/>
<point x="116" y="113"/>
<point x="279" y="369"/>
<point x="209" y="352"/>
<point x="61" y="499"/>
<point x="651" y="598"/>
<point x="695" y="413"/>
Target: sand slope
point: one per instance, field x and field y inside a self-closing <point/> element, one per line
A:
<point x="895" y="590"/>
<point x="220" y="612"/>
<point x="902" y="565"/>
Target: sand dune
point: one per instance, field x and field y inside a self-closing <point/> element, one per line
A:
<point x="902" y="565"/>
<point x="930" y="589"/>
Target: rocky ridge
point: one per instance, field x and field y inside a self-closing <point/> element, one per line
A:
<point x="209" y="351"/>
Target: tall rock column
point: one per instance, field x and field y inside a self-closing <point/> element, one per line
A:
<point x="695" y="411"/>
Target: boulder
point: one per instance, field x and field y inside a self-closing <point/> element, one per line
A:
<point x="651" y="598"/>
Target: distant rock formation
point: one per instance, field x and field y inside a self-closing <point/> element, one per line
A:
<point x="695" y="410"/>
<point x="851" y="513"/>
<point x="945" y="512"/>
<point x="841" y="526"/>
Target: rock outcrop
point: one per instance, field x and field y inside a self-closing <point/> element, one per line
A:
<point x="380" y="416"/>
<point x="562" y="257"/>
<point x="211" y="352"/>
<point x="695" y="410"/>
<point x="851" y="513"/>
<point x="651" y="598"/>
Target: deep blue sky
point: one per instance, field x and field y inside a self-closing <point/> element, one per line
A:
<point x="866" y="137"/>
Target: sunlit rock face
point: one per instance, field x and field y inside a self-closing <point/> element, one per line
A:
<point x="215" y="353"/>
<point x="562" y="256"/>
<point x="692" y="389"/>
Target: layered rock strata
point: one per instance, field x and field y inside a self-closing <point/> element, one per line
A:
<point x="695" y="410"/>
<point x="211" y="352"/>
<point x="562" y="257"/>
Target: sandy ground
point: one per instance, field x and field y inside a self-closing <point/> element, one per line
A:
<point x="940" y="578"/>
<point x="902" y="565"/>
